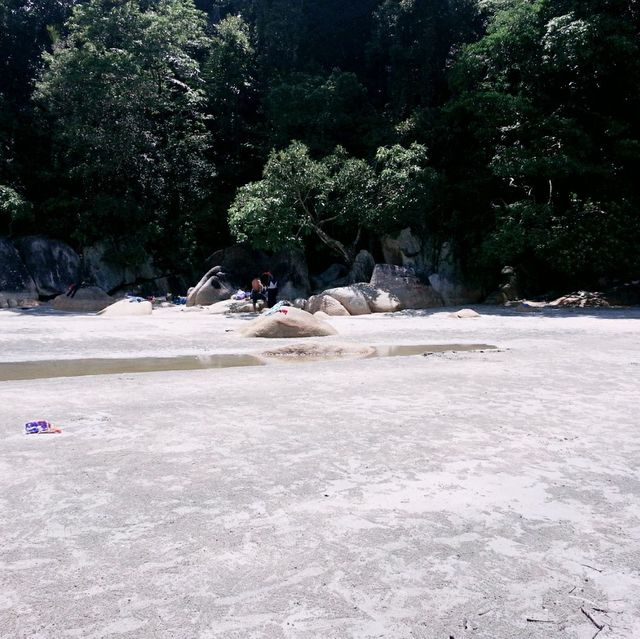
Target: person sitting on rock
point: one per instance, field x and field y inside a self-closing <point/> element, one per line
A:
<point x="257" y="292"/>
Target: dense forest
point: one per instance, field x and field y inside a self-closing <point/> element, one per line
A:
<point x="508" y="128"/>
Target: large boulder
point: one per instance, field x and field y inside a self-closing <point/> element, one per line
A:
<point x="17" y="287"/>
<point x="334" y="276"/>
<point x="379" y="301"/>
<point x="89" y="299"/>
<point x="351" y="297"/>
<point x="288" y="322"/>
<point x="240" y="262"/>
<point x="326" y="304"/>
<point x="128" y="307"/>
<point x="403" y="285"/>
<point x="434" y="261"/>
<point x="362" y="268"/>
<point x="212" y="288"/>
<point x="53" y="265"/>
<point x="289" y="268"/>
<point x="115" y="267"/>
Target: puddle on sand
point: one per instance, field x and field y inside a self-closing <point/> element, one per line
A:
<point x="103" y="366"/>
<point x="44" y="369"/>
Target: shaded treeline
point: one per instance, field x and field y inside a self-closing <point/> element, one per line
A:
<point x="509" y="128"/>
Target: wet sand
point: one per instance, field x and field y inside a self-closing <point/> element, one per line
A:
<point x="465" y="494"/>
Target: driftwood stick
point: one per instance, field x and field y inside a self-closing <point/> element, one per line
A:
<point x="592" y="567"/>
<point x="541" y="620"/>
<point x="592" y="620"/>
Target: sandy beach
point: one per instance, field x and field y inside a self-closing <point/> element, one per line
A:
<point x="462" y="495"/>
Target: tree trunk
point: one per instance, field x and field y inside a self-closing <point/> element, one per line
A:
<point x="347" y="253"/>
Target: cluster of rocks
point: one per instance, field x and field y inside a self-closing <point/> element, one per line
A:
<point x="35" y="269"/>
<point x="391" y="288"/>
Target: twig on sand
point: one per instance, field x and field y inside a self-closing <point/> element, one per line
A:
<point x="485" y="612"/>
<point x="599" y="626"/>
<point x="592" y="567"/>
<point x="541" y="620"/>
<point x="572" y="589"/>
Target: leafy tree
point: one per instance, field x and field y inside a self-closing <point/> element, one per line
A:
<point x="337" y="195"/>
<point x="414" y="42"/>
<point x="229" y="78"/>
<point x="13" y="208"/>
<point x="408" y="189"/>
<point x="549" y="101"/>
<point x="124" y="93"/>
<point x="299" y="196"/>
<point x="323" y="112"/>
<point x="26" y="30"/>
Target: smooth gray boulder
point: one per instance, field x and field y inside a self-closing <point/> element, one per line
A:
<point x="288" y="322"/>
<point x="402" y="284"/>
<point x="103" y="267"/>
<point x="351" y="297"/>
<point x="362" y="268"/>
<point x="53" y="265"/>
<point x="88" y="299"/>
<point x="211" y="288"/>
<point x="16" y="284"/>
<point x="128" y="307"/>
<point x="326" y="304"/>
<point x="379" y="301"/>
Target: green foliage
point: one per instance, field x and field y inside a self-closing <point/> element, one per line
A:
<point x="530" y="111"/>
<point x="13" y="208"/>
<point x="561" y="137"/>
<point x="321" y="111"/>
<point x="228" y="72"/>
<point x="407" y="189"/>
<point x="125" y="96"/>
<point x="414" y="42"/>
<point x="299" y="196"/>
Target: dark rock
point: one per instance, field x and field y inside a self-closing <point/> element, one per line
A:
<point x="210" y="289"/>
<point x="89" y="299"/>
<point x="508" y="291"/>
<point x="362" y="268"/>
<point x="402" y="283"/>
<point x="334" y="276"/>
<point x="625" y="294"/>
<point x="241" y="263"/>
<point x="104" y="267"/>
<point x="290" y="270"/>
<point x="53" y="265"/>
<point x="17" y="287"/>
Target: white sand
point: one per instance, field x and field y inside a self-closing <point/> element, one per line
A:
<point x="452" y="495"/>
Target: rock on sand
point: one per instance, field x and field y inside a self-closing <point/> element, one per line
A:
<point x="128" y="307"/>
<point x="288" y="322"/>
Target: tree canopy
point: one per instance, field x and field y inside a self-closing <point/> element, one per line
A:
<point x="508" y="128"/>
